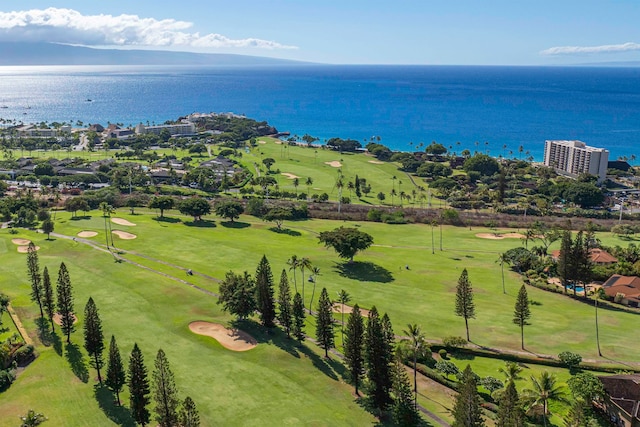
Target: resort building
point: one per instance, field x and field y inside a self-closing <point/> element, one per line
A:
<point x="185" y="128"/>
<point x="32" y="131"/>
<point x="622" y="403"/>
<point x="623" y="289"/>
<point x="573" y="158"/>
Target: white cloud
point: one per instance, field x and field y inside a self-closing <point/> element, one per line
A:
<point x="610" y="48"/>
<point x="70" y="26"/>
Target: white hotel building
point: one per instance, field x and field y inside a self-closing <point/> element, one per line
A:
<point x="575" y="157"/>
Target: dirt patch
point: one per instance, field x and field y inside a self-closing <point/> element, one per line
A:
<point x="376" y="162"/>
<point x="21" y="242"/>
<point x="122" y="221"/>
<point x="334" y="164"/>
<point x="337" y="308"/>
<point x="289" y="175"/>
<point x="499" y="236"/>
<point x="124" y="235"/>
<point x="87" y="234"/>
<point x="231" y="339"/>
<point x="58" y="319"/>
<point x="25" y="249"/>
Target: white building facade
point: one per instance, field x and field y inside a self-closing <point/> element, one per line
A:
<point x="575" y="157"/>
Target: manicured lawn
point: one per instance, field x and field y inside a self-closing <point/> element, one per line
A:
<point x="276" y="378"/>
<point x="275" y="382"/>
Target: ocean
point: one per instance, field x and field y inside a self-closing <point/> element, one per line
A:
<point x="495" y="110"/>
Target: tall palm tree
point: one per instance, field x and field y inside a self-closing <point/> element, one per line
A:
<point x="304" y="263"/>
<point x="416" y="345"/>
<point x="502" y="258"/>
<point x="343" y="299"/>
<point x="309" y="183"/>
<point x="544" y="391"/>
<point x="293" y="265"/>
<point x="315" y="271"/>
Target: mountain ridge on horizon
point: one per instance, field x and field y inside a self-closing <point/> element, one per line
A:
<point x="28" y="54"/>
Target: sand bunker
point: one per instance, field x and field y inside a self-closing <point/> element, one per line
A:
<point x="289" y="175"/>
<point x="25" y="249"/>
<point x="334" y="164"/>
<point x="124" y="235"/>
<point x="58" y="319"/>
<point x="337" y="308"/>
<point x="122" y="221"/>
<point x="492" y="236"/>
<point x="376" y="162"/>
<point x="232" y="339"/>
<point x="87" y="234"/>
<point x="21" y="242"/>
<point x="262" y="142"/>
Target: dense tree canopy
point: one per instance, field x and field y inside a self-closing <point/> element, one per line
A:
<point x="346" y="241"/>
<point x="196" y="207"/>
<point x="482" y="163"/>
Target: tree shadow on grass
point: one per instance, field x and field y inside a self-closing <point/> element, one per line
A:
<point x="76" y="360"/>
<point x="79" y="218"/>
<point x="203" y="223"/>
<point x="44" y="331"/>
<point x="364" y="271"/>
<point x="235" y="224"/>
<point x="286" y="231"/>
<point x="116" y="413"/>
<point x="331" y="368"/>
<point x="167" y="219"/>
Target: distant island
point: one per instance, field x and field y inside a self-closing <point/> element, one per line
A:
<point x="17" y="53"/>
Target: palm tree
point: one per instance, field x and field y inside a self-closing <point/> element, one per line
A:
<point x="544" y="391"/>
<point x="309" y="183"/>
<point x="343" y="298"/>
<point x="296" y="182"/>
<point x="502" y="258"/>
<point x="293" y="265"/>
<point x="511" y="371"/>
<point x="315" y="271"/>
<point x="304" y="263"/>
<point x="416" y="344"/>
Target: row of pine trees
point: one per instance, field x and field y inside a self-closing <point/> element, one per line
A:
<point x="169" y="410"/>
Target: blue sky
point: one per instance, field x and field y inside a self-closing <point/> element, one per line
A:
<point x="489" y="32"/>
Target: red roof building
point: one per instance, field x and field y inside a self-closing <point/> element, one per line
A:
<point x="627" y="286"/>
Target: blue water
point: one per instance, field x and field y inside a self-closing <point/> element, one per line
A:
<point x="478" y="108"/>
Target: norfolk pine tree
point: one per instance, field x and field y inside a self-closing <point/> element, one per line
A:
<point x="465" y="307"/>
<point x="264" y="293"/>
<point x="33" y="267"/>
<point x="115" y="378"/>
<point x="564" y="259"/>
<point x="138" y="387"/>
<point x="65" y="302"/>
<point x="298" y="317"/>
<point x="466" y="410"/>
<point x="285" y="315"/>
<point x="377" y="362"/>
<point x="188" y="416"/>
<point x="404" y="411"/>
<point x="522" y="312"/>
<point x="510" y="412"/>
<point x="48" y="298"/>
<point x="354" y="347"/>
<point x="93" y="337"/>
<point x="324" y="323"/>
<point x="165" y="394"/>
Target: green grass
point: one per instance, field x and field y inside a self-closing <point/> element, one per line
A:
<point x="276" y="378"/>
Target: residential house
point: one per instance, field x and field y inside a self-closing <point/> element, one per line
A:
<point x="622" y="403"/>
<point x="598" y="256"/>
<point x="626" y="286"/>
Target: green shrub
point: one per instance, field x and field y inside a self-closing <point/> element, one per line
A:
<point x="374" y="215"/>
<point x="7" y="376"/>
<point x="454" y="342"/>
<point x="571" y="360"/>
<point x="24" y="355"/>
<point x="443" y="353"/>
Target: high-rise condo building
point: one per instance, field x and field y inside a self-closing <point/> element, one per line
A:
<point x="575" y="157"/>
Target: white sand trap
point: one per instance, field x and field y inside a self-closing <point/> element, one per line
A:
<point x="334" y="164"/>
<point x="124" y="235"/>
<point x="25" y="249"/>
<point x="278" y="142"/>
<point x="122" y="221"/>
<point x="262" y="142"/>
<point x="289" y="175"/>
<point x="57" y="319"/>
<point x="87" y="234"/>
<point x="376" y="162"/>
<point x="232" y="339"/>
<point x="21" y="242"/>
<point x="492" y="236"/>
<point x="337" y="308"/>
